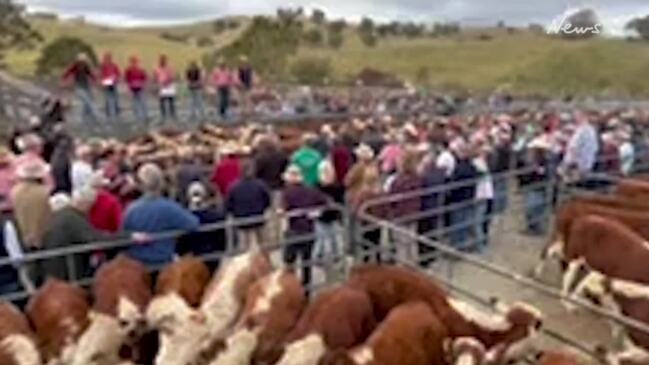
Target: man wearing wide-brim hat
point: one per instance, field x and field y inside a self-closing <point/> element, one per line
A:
<point x="30" y="200"/>
<point x="365" y="161"/>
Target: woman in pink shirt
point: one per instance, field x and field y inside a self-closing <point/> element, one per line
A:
<point x="223" y="79"/>
<point x="165" y="78"/>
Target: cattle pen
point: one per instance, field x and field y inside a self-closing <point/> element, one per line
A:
<point x="499" y="273"/>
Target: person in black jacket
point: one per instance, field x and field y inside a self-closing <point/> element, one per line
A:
<point x="432" y="178"/>
<point x="194" y="77"/>
<point x="460" y="197"/>
<point x="534" y="185"/>
<point x="61" y="163"/>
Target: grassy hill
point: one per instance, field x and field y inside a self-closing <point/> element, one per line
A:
<point x="146" y="42"/>
<point x="526" y="61"/>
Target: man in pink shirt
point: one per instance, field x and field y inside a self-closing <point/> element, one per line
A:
<point x="165" y="78"/>
<point x="223" y="79"/>
<point x="136" y="79"/>
<point x="110" y="77"/>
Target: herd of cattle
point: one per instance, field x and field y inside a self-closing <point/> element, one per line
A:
<point x="250" y="312"/>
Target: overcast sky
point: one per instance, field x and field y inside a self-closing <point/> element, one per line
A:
<point x="614" y="13"/>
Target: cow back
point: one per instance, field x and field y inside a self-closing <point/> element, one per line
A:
<point x="121" y="277"/>
<point x="187" y="277"/>
<point x="558" y="358"/>
<point x="58" y="312"/>
<point x="410" y="334"/>
<point x="343" y="316"/>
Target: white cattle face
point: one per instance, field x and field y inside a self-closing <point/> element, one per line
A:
<point x="307" y="351"/>
<point x="184" y="332"/>
<point x="22" y="348"/>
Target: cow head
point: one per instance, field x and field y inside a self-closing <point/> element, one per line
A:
<point x="184" y="332"/>
<point x="105" y="335"/>
<point x="22" y="348"/>
<point x="467" y="351"/>
<point x="525" y="322"/>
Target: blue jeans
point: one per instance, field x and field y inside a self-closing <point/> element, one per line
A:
<point x="139" y="106"/>
<point x="196" y="107"/>
<point x="86" y="99"/>
<point x="112" y="102"/>
<point x="500" y="195"/>
<point x="462" y="225"/>
<point x="167" y="107"/>
<point x="326" y="241"/>
<point x="483" y="219"/>
<point x="536" y="204"/>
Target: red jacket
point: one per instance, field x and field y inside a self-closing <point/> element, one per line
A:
<point x="106" y="213"/>
<point x="342" y="160"/>
<point x="110" y="74"/>
<point x="226" y="173"/>
<point x="136" y="78"/>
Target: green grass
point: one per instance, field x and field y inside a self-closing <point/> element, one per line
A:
<point x="526" y="62"/>
<point x="143" y="42"/>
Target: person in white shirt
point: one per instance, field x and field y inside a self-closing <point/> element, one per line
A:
<point x="484" y="194"/>
<point x="82" y="170"/>
<point x="627" y="152"/>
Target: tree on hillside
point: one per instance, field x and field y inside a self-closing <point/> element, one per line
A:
<point x="219" y="26"/>
<point x="335" y="40"/>
<point x="446" y="29"/>
<point x="60" y="53"/>
<point x="15" y="31"/>
<point x="367" y="25"/>
<point x="313" y="37"/>
<point x="641" y="26"/>
<point x="368" y="39"/>
<point x="367" y="32"/>
<point x="318" y="16"/>
<point x="337" y="25"/>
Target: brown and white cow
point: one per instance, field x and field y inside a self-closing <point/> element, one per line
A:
<point x="17" y="341"/>
<point x="122" y="291"/>
<point x="503" y="335"/>
<point x="59" y="313"/>
<point x="635" y="218"/>
<point x="339" y="318"/>
<point x="557" y="358"/>
<point x="187" y="277"/>
<point x="633" y="188"/>
<point x="186" y="332"/>
<point x="273" y="306"/>
<point x="410" y="335"/>
<point x="608" y="248"/>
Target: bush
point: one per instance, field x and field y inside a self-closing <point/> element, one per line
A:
<point x="337" y="25"/>
<point x="313" y="37"/>
<point x="368" y="39"/>
<point x="204" y="41"/>
<point x="60" y="53"/>
<point x="318" y="16"/>
<point x="172" y="37"/>
<point x="311" y="70"/>
<point x="335" y="39"/>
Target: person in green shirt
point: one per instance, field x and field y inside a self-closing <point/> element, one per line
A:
<point x="308" y="159"/>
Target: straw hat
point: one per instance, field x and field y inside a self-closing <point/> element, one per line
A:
<point x="293" y="174"/>
<point x="33" y="170"/>
<point x="364" y="152"/>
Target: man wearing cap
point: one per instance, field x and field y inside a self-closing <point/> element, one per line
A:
<point x="153" y="213"/>
<point x="308" y="159"/>
<point x="299" y="197"/>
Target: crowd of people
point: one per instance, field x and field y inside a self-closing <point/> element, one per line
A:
<point x="164" y="81"/>
<point x="59" y="192"/>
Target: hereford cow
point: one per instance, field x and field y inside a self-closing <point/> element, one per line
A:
<point x="186" y="277"/>
<point x="556" y="358"/>
<point x="273" y="306"/>
<point x="410" y="335"/>
<point x="122" y="291"/>
<point x="339" y="318"/>
<point x="59" y="314"/>
<point x="607" y="247"/>
<point x="567" y="215"/>
<point x="185" y="332"/>
<point x="503" y="335"/>
<point x="633" y="189"/>
<point x="17" y="342"/>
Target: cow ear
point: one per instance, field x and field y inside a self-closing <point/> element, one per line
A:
<point x="198" y="318"/>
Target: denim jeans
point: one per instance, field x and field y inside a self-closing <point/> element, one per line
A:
<point x="86" y="99"/>
<point x="482" y="219"/>
<point x="139" y="106"/>
<point x="536" y="204"/>
<point x="112" y="102"/>
<point x="326" y="250"/>
<point x="167" y="107"/>
<point x="462" y="226"/>
<point x="500" y="195"/>
<point x="224" y="101"/>
<point x="196" y="107"/>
